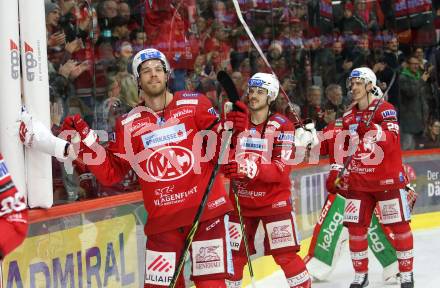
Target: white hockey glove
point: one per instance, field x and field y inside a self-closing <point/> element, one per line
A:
<point x="33" y="134"/>
<point x="245" y="168"/>
<point x="307" y="136"/>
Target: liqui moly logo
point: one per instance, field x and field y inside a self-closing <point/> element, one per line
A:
<point x="30" y="62"/>
<point x="15" y="59"/>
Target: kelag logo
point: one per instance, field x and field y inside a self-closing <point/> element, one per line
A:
<point x="30" y="62"/>
<point x="15" y="60"/>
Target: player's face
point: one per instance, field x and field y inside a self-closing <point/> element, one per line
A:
<point x="359" y="89"/>
<point x="257" y="98"/>
<point x="152" y="78"/>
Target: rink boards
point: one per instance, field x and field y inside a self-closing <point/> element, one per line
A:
<point x="101" y="242"/>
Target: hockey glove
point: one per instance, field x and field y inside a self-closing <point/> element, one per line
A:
<point x="239" y="117"/>
<point x="84" y="135"/>
<point x="331" y="178"/>
<point x="363" y="129"/>
<point x="239" y="170"/>
<point x="306" y="136"/>
<point x="33" y="134"/>
<point x="411" y="196"/>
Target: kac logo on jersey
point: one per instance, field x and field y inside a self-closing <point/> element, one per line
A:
<point x="170" y="163"/>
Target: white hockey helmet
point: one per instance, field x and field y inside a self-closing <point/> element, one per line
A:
<point x="267" y="81"/>
<point x="148" y="54"/>
<point x="368" y="76"/>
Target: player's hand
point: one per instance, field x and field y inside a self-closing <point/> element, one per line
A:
<point x="330" y="183"/>
<point x="239" y="117"/>
<point x="362" y="128"/>
<point x="34" y="134"/>
<point x="306" y="136"/>
<point x="245" y="168"/>
<point x="411" y="196"/>
<point x="84" y="133"/>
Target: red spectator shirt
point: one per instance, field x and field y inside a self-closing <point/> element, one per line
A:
<point x="269" y="192"/>
<point x="172" y="190"/>
<point x="388" y="173"/>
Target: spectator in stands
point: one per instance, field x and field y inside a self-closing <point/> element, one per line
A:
<point x="55" y="36"/>
<point x="420" y="55"/>
<point x="431" y="137"/>
<point x="120" y="30"/>
<point x="350" y="23"/>
<point x="107" y="11"/>
<point x="361" y="53"/>
<point x="323" y="68"/>
<point x="415" y="92"/>
<point x="343" y="64"/>
<point x="335" y="100"/>
<point x="312" y="110"/>
<point x="138" y="39"/>
<point x="366" y="14"/>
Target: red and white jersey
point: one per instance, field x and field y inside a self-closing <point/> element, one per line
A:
<point x="161" y="152"/>
<point x="269" y="192"/>
<point x="330" y="132"/>
<point x="11" y="202"/>
<point x="377" y="162"/>
<point x="328" y="142"/>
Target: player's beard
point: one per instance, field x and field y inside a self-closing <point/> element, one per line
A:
<point x="154" y="90"/>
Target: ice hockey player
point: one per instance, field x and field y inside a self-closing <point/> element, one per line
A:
<point x="330" y="235"/>
<point x="13" y="214"/>
<point x="156" y="139"/>
<point x="376" y="177"/>
<point x="259" y="175"/>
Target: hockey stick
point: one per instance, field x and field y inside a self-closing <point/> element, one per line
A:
<point x="296" y="119"/>
<point x="245" y="240"/>
<point x="230" y="89"/>
<point x="233" y="97"/>
<point x="370" y="118"/>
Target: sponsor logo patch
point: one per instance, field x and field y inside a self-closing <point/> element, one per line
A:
<point x="159" y="267"/>
<point x="187" y="102"/>
<point x="389" y="113"/>
<point x="352" y="210"/>
<point x="286" y="137"/>
<point x="170" y="163"/>
<point x="182" y="112"/>
<point x="254" y="144"/>
<point x="235" y="235"/>
<point x="208" y="257"/>
<point x="130" y="118"/>
<point x="164" y="136"/>
<point x="390" y="211"/>
<point x="274" y="123"/>
<point x="280" y="119"/>
<point x="280" y="234"/>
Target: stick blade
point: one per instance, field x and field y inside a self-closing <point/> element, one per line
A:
<point x="228" y="85"/>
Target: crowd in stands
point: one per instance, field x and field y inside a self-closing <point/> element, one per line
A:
<point x="311" y="46"/>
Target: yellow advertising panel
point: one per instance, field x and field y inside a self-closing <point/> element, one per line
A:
<point x="100" y="254"/>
